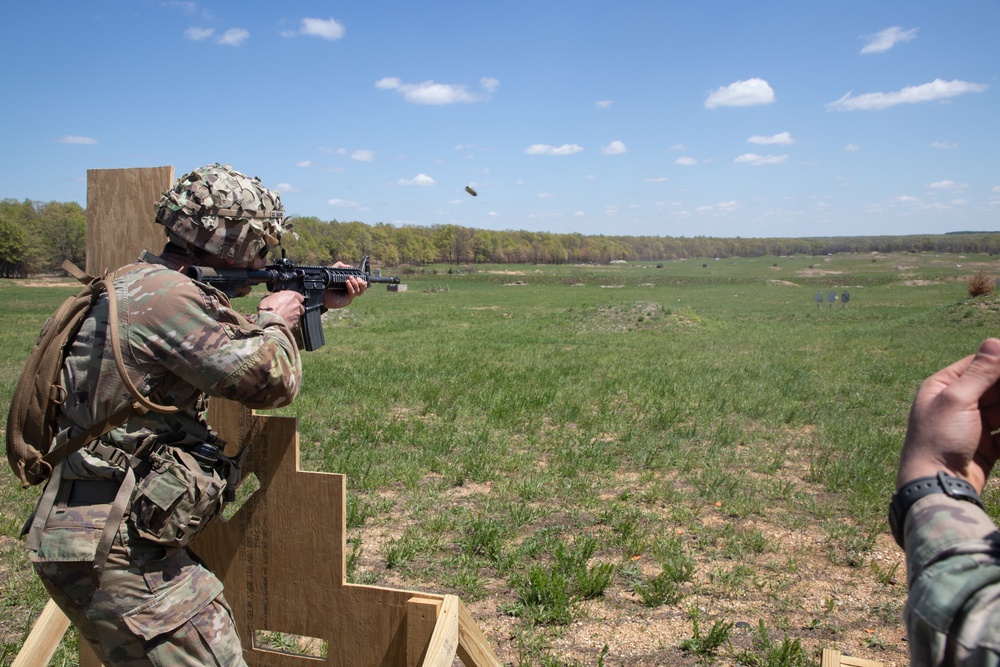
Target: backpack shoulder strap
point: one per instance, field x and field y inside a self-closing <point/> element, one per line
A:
<point x="78" y="273"/>
<point x="140" y="406"/>
<point x="28" y="431"/>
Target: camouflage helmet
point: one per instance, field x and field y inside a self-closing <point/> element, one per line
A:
<point x="223" y="212"/>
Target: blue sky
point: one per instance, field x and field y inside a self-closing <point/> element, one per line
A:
<point x="752" y="119"/>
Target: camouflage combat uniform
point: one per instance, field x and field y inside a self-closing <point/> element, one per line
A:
<point x="181" y="341"/>
<point x="953" y="568"/>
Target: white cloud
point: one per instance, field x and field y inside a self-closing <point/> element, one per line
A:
<point x="948" y="185"/>
<point x="996" y="189"/>
<point x="189" y="8"/>
<point x="363" y="155"/>
<point x="79" y="141"/>
<point x="888" y="38"/>
<point x="603" y="104"/>
<point x="429" y="92"/>
<point x="419" y="179"/>
<point x="331" y="29"/>
<point x="233" y="37"/>
<point x="579" y="214"/>
<point x="852" y="148"/>
<point x="614" y="148"/>
<point x="285" y="188"/>
<point x="545" y="149"/>
<point x="780" y="138"/>
<point x="721" y="207"/>
<point x="944" y="145"/>
<point x="741" y="94"/>
<point x="907" y="199"/>
<point x="758" y="160"/>
<point x="686" y="161"/>
<point x="657" y="179"/>
<point x="927" y="92"/>
<point x="547" y="195"/>
<point x="677" y="147"/>
<point x="342" y="202"/>
<point x="186" y="7"/>
<point x="199" y="34"/>
<point x="333" y="151"/>
<point x="309" y="164"/>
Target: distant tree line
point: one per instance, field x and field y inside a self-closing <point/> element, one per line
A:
<point x="323" y="242"/>
<point x="37" y="237"/>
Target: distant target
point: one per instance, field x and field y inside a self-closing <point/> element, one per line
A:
<point x="468" y="188"/>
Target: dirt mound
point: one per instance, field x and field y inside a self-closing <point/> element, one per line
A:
<point x="637" y="316"/>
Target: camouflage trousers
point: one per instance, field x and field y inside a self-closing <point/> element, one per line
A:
<point x="150" y="608"/>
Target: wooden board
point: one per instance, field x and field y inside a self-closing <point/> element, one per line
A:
<point x="120" y="215"/>
<point x="833" y="658"/>
<point x="43" y="640"/>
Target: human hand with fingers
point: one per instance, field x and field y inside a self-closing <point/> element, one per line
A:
<point x="937" y="514"/>
<point x="951" y="421"/>
<point x="353" y="287"/>
<point x="287" y="304"/>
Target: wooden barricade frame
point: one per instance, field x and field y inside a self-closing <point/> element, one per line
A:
<point x="281" y="556"/>
<point x="833" y="658"/>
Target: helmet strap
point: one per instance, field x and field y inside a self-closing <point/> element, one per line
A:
<point x="181" y="245"/>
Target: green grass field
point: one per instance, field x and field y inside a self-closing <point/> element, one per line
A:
<point x="697" y="448"/>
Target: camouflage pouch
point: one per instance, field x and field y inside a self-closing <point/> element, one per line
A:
<point x="177" y="498"/>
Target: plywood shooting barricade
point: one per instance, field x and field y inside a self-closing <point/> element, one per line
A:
<point x="282" y="555"/>
<point x="833" y="658"/>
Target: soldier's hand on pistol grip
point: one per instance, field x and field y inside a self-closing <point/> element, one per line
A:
<point x="287" y="304"/>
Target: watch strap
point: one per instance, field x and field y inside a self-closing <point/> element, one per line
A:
<point x="914" y="490"/>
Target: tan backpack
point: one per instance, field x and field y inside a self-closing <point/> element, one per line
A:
<point x="31" y="422"/>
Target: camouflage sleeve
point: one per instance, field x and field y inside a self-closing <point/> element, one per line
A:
<point x="209" y="345"/>
<point x="953" y="569"/>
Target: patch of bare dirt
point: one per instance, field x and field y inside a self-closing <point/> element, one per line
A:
<point x="626" y="317"/>
<point x="801" y="584"/>
<point x="47" y="283"/>
<point x="812" y="273"/>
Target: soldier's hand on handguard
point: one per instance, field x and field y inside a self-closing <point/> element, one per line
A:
<point x="952" y="419"/>
<point x="355" y="287"/>
<point x="287" y="304"/>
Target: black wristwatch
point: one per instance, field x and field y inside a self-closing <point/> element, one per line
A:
<point x="911" y="492"/>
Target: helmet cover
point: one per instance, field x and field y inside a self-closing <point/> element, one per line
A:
<point x="223" y="212"/>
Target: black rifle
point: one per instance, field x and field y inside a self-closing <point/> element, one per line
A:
<point x="309" y="281"/>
